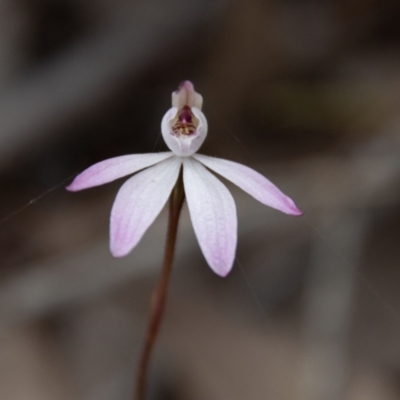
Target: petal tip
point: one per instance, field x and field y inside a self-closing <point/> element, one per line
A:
<point x="71" y="187"/>
<point x="118" y="252"/>
<point x="77" y="184"/>
<point x="296" y="212"/>
<point x="117" y="247"/>
<point x="188" y="85"/>
<point x="290" y="208"/>
<point x="223" y="274"/>
<point x="223" y="270"/>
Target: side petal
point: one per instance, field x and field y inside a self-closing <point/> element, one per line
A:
<point x="138" y="202"/>
<point x="251" y="182"/>
<point x="114" y="168"/>
<point x="213" y="213"/>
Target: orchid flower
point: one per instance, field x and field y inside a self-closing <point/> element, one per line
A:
<point x="211" y="206"/>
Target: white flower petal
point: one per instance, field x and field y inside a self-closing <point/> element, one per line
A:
<point x="213" y="213"/>
<point x="114" y="168"/>
<point x="138" y="202"/>
<point x="251" y="182"/>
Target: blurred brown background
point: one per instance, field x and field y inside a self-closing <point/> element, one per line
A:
<point x="306" y="92"/>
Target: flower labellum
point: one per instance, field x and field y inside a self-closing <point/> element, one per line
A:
<point x="211" y="206"/>
<point x="184" y="126"/>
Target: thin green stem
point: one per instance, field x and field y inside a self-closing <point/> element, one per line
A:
<point x="160" y="291"/>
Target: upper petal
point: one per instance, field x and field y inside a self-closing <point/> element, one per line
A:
<point x="186" y="96"/>
<point x="138" y="202"/>
<point x="251" y="182"/>
<point x="213" y="214"/>
<point x="114" y="168"/>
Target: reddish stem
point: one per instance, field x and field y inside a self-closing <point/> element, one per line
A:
<point x="160" y="291"/>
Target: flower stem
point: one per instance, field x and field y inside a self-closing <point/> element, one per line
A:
<point x="160" y="291"/>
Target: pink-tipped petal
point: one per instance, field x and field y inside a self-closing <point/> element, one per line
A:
<point x="251" y="182"/>
<point x="114" y="168"/>
<point x="213" y="214"/>
<point x="138" y="202"/>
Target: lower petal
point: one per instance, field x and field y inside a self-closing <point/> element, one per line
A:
<point x="213" y="214"/>
<point x="138" y="202"/>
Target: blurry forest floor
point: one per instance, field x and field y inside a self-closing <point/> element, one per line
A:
<point x="307" y="93"/>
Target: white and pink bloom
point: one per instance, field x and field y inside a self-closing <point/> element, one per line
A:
<point x="211" y="206"/>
